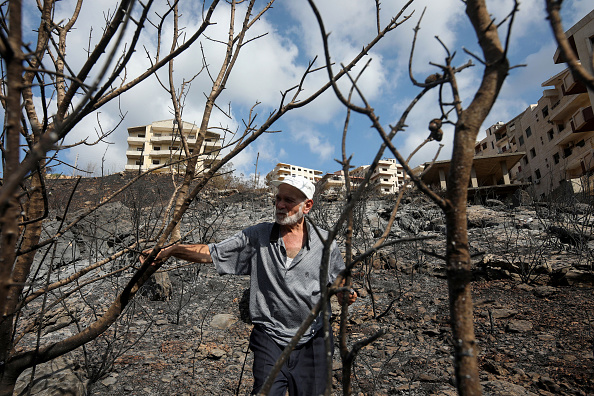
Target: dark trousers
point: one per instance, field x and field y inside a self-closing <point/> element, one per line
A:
<point x="304" y="372"/>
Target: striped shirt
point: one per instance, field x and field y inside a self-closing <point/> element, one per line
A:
<point x="281" y="297"/>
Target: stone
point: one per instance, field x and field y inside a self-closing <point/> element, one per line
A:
<point x="498" y="387"/>
<point x="61" y="376"/>
<point x="223" y="321"/>
<point x="110" y="379"/>
<point x="519" y="326"/>
<point x="544" y="291"/>
<point x="216" y="353"/>
<point x="158" y="287"/>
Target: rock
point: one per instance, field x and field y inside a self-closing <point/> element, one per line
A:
<point x="158" y="287"/>
<point x="216" y="354"/>
<point x="426" y="377"/>
<point x="495" y="368"/>
<point x="111" y="379"/>
<point x="518" y="326"/>
<point x="432" y="332"/>
<point x="571" y="277"/>
<point x="548" y="384"/>
<point x="544" y="291"/>
<point x="494" y="203"/>
<point x="500" y="313"/>
<point x="60" y="376"/>
<point x="223" y="321"/>
<point x="498" y="387"/>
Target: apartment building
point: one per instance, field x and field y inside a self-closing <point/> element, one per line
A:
<point x="151" y="146"/>
<point x="336" y="181"/>
<point x="388" y="176"/>
<point x="557" y="133"/>
<point x="282" y="170"/>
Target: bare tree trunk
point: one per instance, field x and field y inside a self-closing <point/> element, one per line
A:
<point x="457" y="251"/>
<point x="9" y="216"/>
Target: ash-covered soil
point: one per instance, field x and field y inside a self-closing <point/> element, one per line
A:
<point x="537" y="337"/>
<point x="533" y="339"/>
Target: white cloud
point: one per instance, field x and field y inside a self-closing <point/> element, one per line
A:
<point x="276" y="61"/>
<point x="319" y="143"/>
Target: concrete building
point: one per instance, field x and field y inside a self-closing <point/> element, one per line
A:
<point x="281" y="170"/>
<point x="336" y="181"/>
<point x="557" y="133"/>
<point x="489" y="175"/>
<point x="388" y="176"/>
<point x="159" y="143"/>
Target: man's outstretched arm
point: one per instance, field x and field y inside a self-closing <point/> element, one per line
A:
<point x="195" y="253"/>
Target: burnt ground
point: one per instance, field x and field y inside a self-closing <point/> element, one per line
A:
<point x="532" y="339"/>
<point x="538" y="337"/>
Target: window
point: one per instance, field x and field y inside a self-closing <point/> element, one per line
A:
<point x="525" y="158"/>
<point x="556" y="158"/>
<point x="545" y="111"/>
<point x="139" y="148"/>
<point x="138" y="162"/>
<point x="157" y="135"/>
<point x="537" y="173"/>
<point x="529" y="179"/>
<point x="141" y="135"/>
<point x="155" y="162"/>
<point x="528" y="132"/>
<point x="485" y="146"/>
<point x="532" y="152"/>
<point x="157" y="148"/>
<point x="567" y="152"/>
<point x="551" y="134"/>
<point x="521" y="140"/>
<point x="560" y="127"/>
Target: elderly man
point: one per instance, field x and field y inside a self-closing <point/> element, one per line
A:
<point x="283" y="260"/>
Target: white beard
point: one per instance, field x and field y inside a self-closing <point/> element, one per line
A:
<point x="282" y="218"/>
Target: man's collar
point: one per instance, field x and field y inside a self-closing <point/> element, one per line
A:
<point x="275" y="232"/>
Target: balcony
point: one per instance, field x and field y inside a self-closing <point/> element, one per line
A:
<point x="166" y="153"/>
<point x="582" y="120"/>
<point x="552" y="94"/>
<point x="167" y="138"/>
<point x="571" y="86"/>
<point x="133" y="153"/>
<point x="136" y="139"/>
<point x="132" y="167"/>
<point x="568" y="106"/>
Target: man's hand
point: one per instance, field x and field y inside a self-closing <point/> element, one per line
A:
<point x="352" y="297"/>
<point x="163" y="254"/>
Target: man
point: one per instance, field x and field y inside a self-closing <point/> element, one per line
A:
<point x="283" y="260"/>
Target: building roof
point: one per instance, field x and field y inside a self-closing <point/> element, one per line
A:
<point x="558" y="58"/>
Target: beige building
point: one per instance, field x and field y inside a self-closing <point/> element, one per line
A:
<point x="151" y="146"/>
<point x="282" y="170"/>
<point x="388" y="176"/>
<point x="557" y="133"/>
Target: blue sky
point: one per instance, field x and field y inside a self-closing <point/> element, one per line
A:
<point x="311" y="136"/>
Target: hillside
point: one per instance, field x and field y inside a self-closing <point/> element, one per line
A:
<point x="535" y="338"/>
